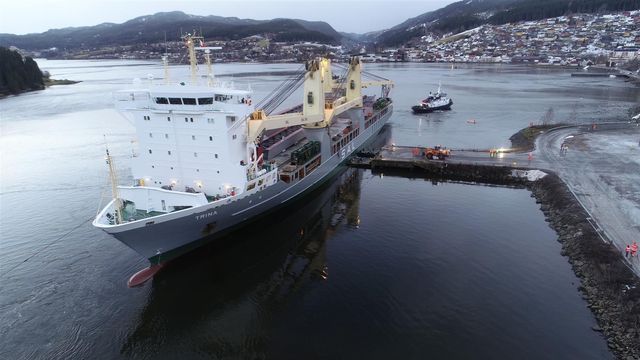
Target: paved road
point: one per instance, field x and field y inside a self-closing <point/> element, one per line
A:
<point x="602" y="168"/>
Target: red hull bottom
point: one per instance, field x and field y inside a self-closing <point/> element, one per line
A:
<point x="143" y="275"/>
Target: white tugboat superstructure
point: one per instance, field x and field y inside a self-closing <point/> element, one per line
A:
<point x="434" y="102"/>
<point x="209" y="161"/>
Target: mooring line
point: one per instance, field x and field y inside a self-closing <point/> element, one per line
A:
<point x="45" y="247"/>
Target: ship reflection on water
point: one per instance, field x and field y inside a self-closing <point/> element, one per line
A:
<point x="222" y="297"/>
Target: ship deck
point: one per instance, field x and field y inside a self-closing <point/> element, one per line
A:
<point x="139" y="214"/>
<point x="284" y="157"/>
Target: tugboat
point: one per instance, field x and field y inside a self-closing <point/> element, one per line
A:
<point x="437" y="101"/>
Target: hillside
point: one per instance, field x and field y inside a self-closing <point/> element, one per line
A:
<point x="468" y="14"/>
<point x="18" y="74"/>
<point x="153" y="28"/>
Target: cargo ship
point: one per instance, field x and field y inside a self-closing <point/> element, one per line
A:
<point x="210" y="159"/>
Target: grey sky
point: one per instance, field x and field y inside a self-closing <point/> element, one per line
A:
<point x="29" y="16"/>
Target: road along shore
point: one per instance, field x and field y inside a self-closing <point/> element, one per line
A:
<point x="608" y="282"/>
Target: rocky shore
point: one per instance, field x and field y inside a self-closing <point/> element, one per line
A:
<point x="608" y="285"/>
<point x="610" y="288"/>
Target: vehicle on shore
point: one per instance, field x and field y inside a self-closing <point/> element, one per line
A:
<point x="437" y="152"/>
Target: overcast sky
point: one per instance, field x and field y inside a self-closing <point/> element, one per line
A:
<point x="359" y="16"/>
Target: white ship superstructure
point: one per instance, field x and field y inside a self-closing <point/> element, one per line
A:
<point x="208" y="160"/>
<point x="191" y="142"/>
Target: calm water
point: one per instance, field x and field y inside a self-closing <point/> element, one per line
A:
<point x="370" y="266"/>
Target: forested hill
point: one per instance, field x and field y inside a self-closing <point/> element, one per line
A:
<point x="17" y="73"/>
<point x="467" y="14"/>
<point x="170" y="25"/>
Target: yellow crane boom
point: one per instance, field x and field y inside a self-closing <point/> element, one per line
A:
<point x="317" y="110"/>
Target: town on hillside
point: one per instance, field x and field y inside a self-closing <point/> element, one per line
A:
<point x="576" y="40"/>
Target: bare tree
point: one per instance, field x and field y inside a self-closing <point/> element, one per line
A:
<point x="547" y="118"/>
<point x="573" y="115"/>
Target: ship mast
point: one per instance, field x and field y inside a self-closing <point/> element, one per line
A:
<point x="193" y="61"/>
<point x="165" y="60"/>
<point x="117" y="203"/>
<point x="165" y="64"/>
<point x="207" y="55"/>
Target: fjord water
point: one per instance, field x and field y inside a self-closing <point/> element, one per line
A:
<point x="369" y="266"/>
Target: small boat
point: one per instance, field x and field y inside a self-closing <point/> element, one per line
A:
<point x="434" y="102"/>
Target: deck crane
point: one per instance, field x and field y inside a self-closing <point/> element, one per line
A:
<point x="324" y="99"/>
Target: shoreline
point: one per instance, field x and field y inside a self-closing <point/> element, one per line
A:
<point x="607" y="283"/>
<point x="293" y="61"/>
<point x="47" y="83"/>
<point x="51" y="82"/>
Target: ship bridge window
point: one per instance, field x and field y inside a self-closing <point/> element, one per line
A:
<point x="189" y="101"/>
<point x="162" y="100"/>
<point x="175" y="101"/>
<point x="205" y="101"/>
<point x="223" y="98"/>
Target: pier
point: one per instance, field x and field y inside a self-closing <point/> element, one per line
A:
<point x="597" y="163"/>
<point x="586" y="180"/>
<point x="488" y="165"/>
<point x="592" y="74"/>
<point x="609" y="72"/>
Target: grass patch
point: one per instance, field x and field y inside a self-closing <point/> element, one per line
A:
<point x="525" y="139"/>
<point x="49" y="82"/>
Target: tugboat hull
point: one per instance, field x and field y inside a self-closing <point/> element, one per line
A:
<point x="420" y="109"/>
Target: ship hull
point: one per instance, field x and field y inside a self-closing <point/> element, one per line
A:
<point x="183" y="231"/>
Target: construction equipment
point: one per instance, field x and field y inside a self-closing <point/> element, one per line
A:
<point x="437" y="153"/>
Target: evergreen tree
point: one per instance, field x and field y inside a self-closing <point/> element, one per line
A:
<point x="18" y="74"/>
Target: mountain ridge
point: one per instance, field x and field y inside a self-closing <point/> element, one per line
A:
<point x="152" y="29"/>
